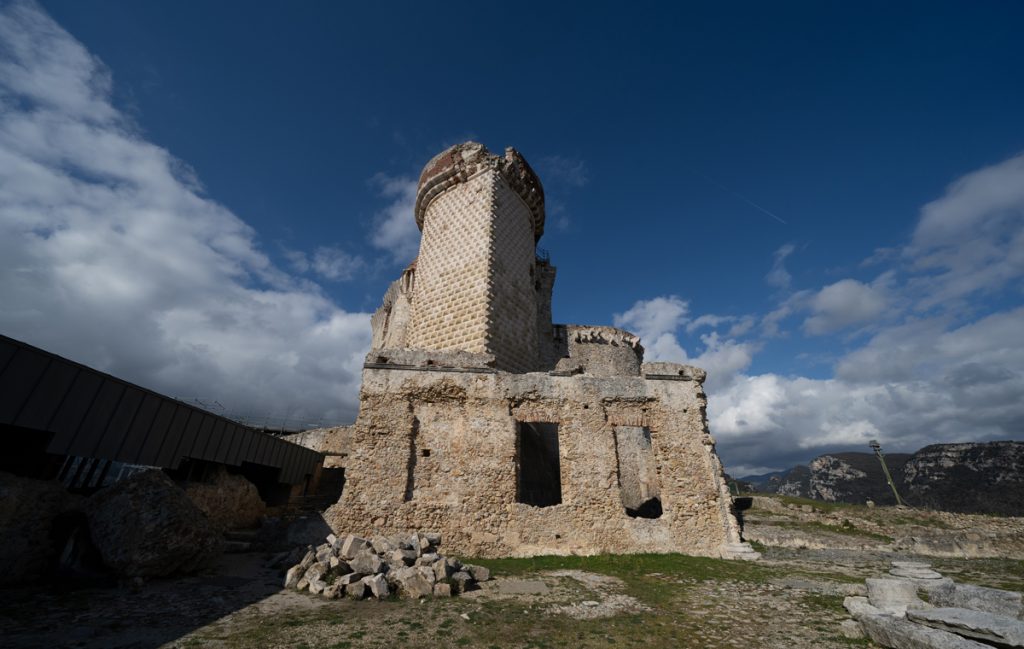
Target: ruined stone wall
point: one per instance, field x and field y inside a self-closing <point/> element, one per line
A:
<point x="436" y="451"/>
<point x="450" y="306"/>
<point x="600" y="351"/>
<point x="512" y="325"/>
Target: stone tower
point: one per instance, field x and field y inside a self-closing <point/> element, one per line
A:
<point x="482" y="419"/>
<point x="481" y="216"/>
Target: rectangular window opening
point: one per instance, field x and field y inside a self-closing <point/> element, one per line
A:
<point x="639" y="486"/>
<point x="538" y="470"/>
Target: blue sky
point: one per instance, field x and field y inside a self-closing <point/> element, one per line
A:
<point x="819" y="202"/>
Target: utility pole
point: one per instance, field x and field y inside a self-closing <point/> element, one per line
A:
<point x="877" y="448"/>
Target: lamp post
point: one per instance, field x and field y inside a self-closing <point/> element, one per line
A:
<point x="877" y="448"/>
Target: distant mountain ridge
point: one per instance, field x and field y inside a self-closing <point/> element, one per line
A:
<point x="966" y="477"/>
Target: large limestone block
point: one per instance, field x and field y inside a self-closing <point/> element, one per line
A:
<point x="993" y="629"/>
<point x="352" y="545"/>
<point x="412" y="584"/>
<point x="979" y="598"/>
<point x="146" y="526"/>
<point x="897" y="633"/>
<point x="893" y="596"/>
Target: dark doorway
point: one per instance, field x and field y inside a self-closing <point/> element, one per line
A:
<point x="538" y="472"/>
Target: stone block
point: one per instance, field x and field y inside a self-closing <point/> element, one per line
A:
<point x="411" y="583"/>
<point x="356" y="590"/>
<point x="367" y="563"/>
<point x="331" y="540"/>
<point x="442" y="590"/>
<point x="352" y="546"/>
<point x="859" y="607"/>
<point x="442" y="570"/>
<point x="851" y="629"/>
<point x="292" y="577"/>
<point x="897" y="633"/>
<point x="378" y="586"/>
<point x="317" y="586"/>
<point x="302" y="585"/>
<point x="893" y="596"/>
<point x="479" y="573"/>
<point x="979" y="598"/>
<point x="383" y="546"/>
<point x="989" y="628"/>
<point x="434" y="538"/>
<point x="308" y="560"/>
<point x="403" y="558"/>
<point x="350" y="578"/>
<point x="428" y="559"/>
<point x="315" y="571"/>
<point x="461" y="582"/>
<point x="334" y="591"/>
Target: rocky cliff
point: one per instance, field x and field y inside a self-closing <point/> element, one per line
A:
<point x="971" y="478"/>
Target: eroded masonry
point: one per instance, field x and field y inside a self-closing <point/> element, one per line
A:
<point x="510" y="435"/>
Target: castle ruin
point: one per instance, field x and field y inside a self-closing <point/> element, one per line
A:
<point x="513" y="436"/>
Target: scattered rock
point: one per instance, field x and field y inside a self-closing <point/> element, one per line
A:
<point x="851" y="629"/>
<point x="409" y="565"/>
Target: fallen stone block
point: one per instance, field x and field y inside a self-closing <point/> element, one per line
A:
<point x="292" y="577"/>
<point x="442" y="570"/>
<point x="324" y="553"/>
<point x="915" y="573"/>
<point x="992" y="629"/>
<point x="442" y="590"/>
<point x="352" y="546"/>
<point x="412" y="584"/>
<point x="367" y="563"/>
<point x="334" y="591"/>
<point x="461" y="582"/>
<point x="355" y="590"/>
<point x="897" y="633"/>
<point x="315" y="571"/>
<point x="434" y="538"/>
<point x="428" y="559"/>
<point x="893" y="596"/>
<point x="479" y="573"/>
<point x="302" y="585"/>
<point x="859" y="607"/>
<point x="382" y="545"/>
<point x="979" y="598"/>
<point x="308" y="560"/>
<point x="350" y="578"/>
<point x="403" y="558"/>
<point x="317" y="586"/>
<point x="378" y="586"/>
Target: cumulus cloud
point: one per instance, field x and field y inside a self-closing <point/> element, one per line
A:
<point x="111" y="254"/>
<point x="840" y="305"/>
<point x="658" y="322"/>
<point x="395" y="230"/>
<point x="326" y="261"/>
<point x="944" y="361"/>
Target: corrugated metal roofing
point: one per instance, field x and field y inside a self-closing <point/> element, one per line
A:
<point x="93" y="414"/>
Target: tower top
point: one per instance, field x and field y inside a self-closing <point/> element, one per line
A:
<point x="461" y="162"/>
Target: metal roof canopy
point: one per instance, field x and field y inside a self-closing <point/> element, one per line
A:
<point x="93" y="414"/>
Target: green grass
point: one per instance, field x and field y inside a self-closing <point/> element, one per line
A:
<point x="846" y="528"/>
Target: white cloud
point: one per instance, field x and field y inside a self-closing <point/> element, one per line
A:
<point x="110" y="253"/>
<point x="778" y="276"/>
<point x="565" y="170"/>
<point x="395" y="229"/>
<point x="845" y="303"/>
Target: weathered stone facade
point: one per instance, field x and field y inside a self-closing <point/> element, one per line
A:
<point x="483" y="421"/>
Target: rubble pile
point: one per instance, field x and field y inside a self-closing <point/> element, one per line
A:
<point x="350" y="566"/>
<point x="955" y="616"/>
